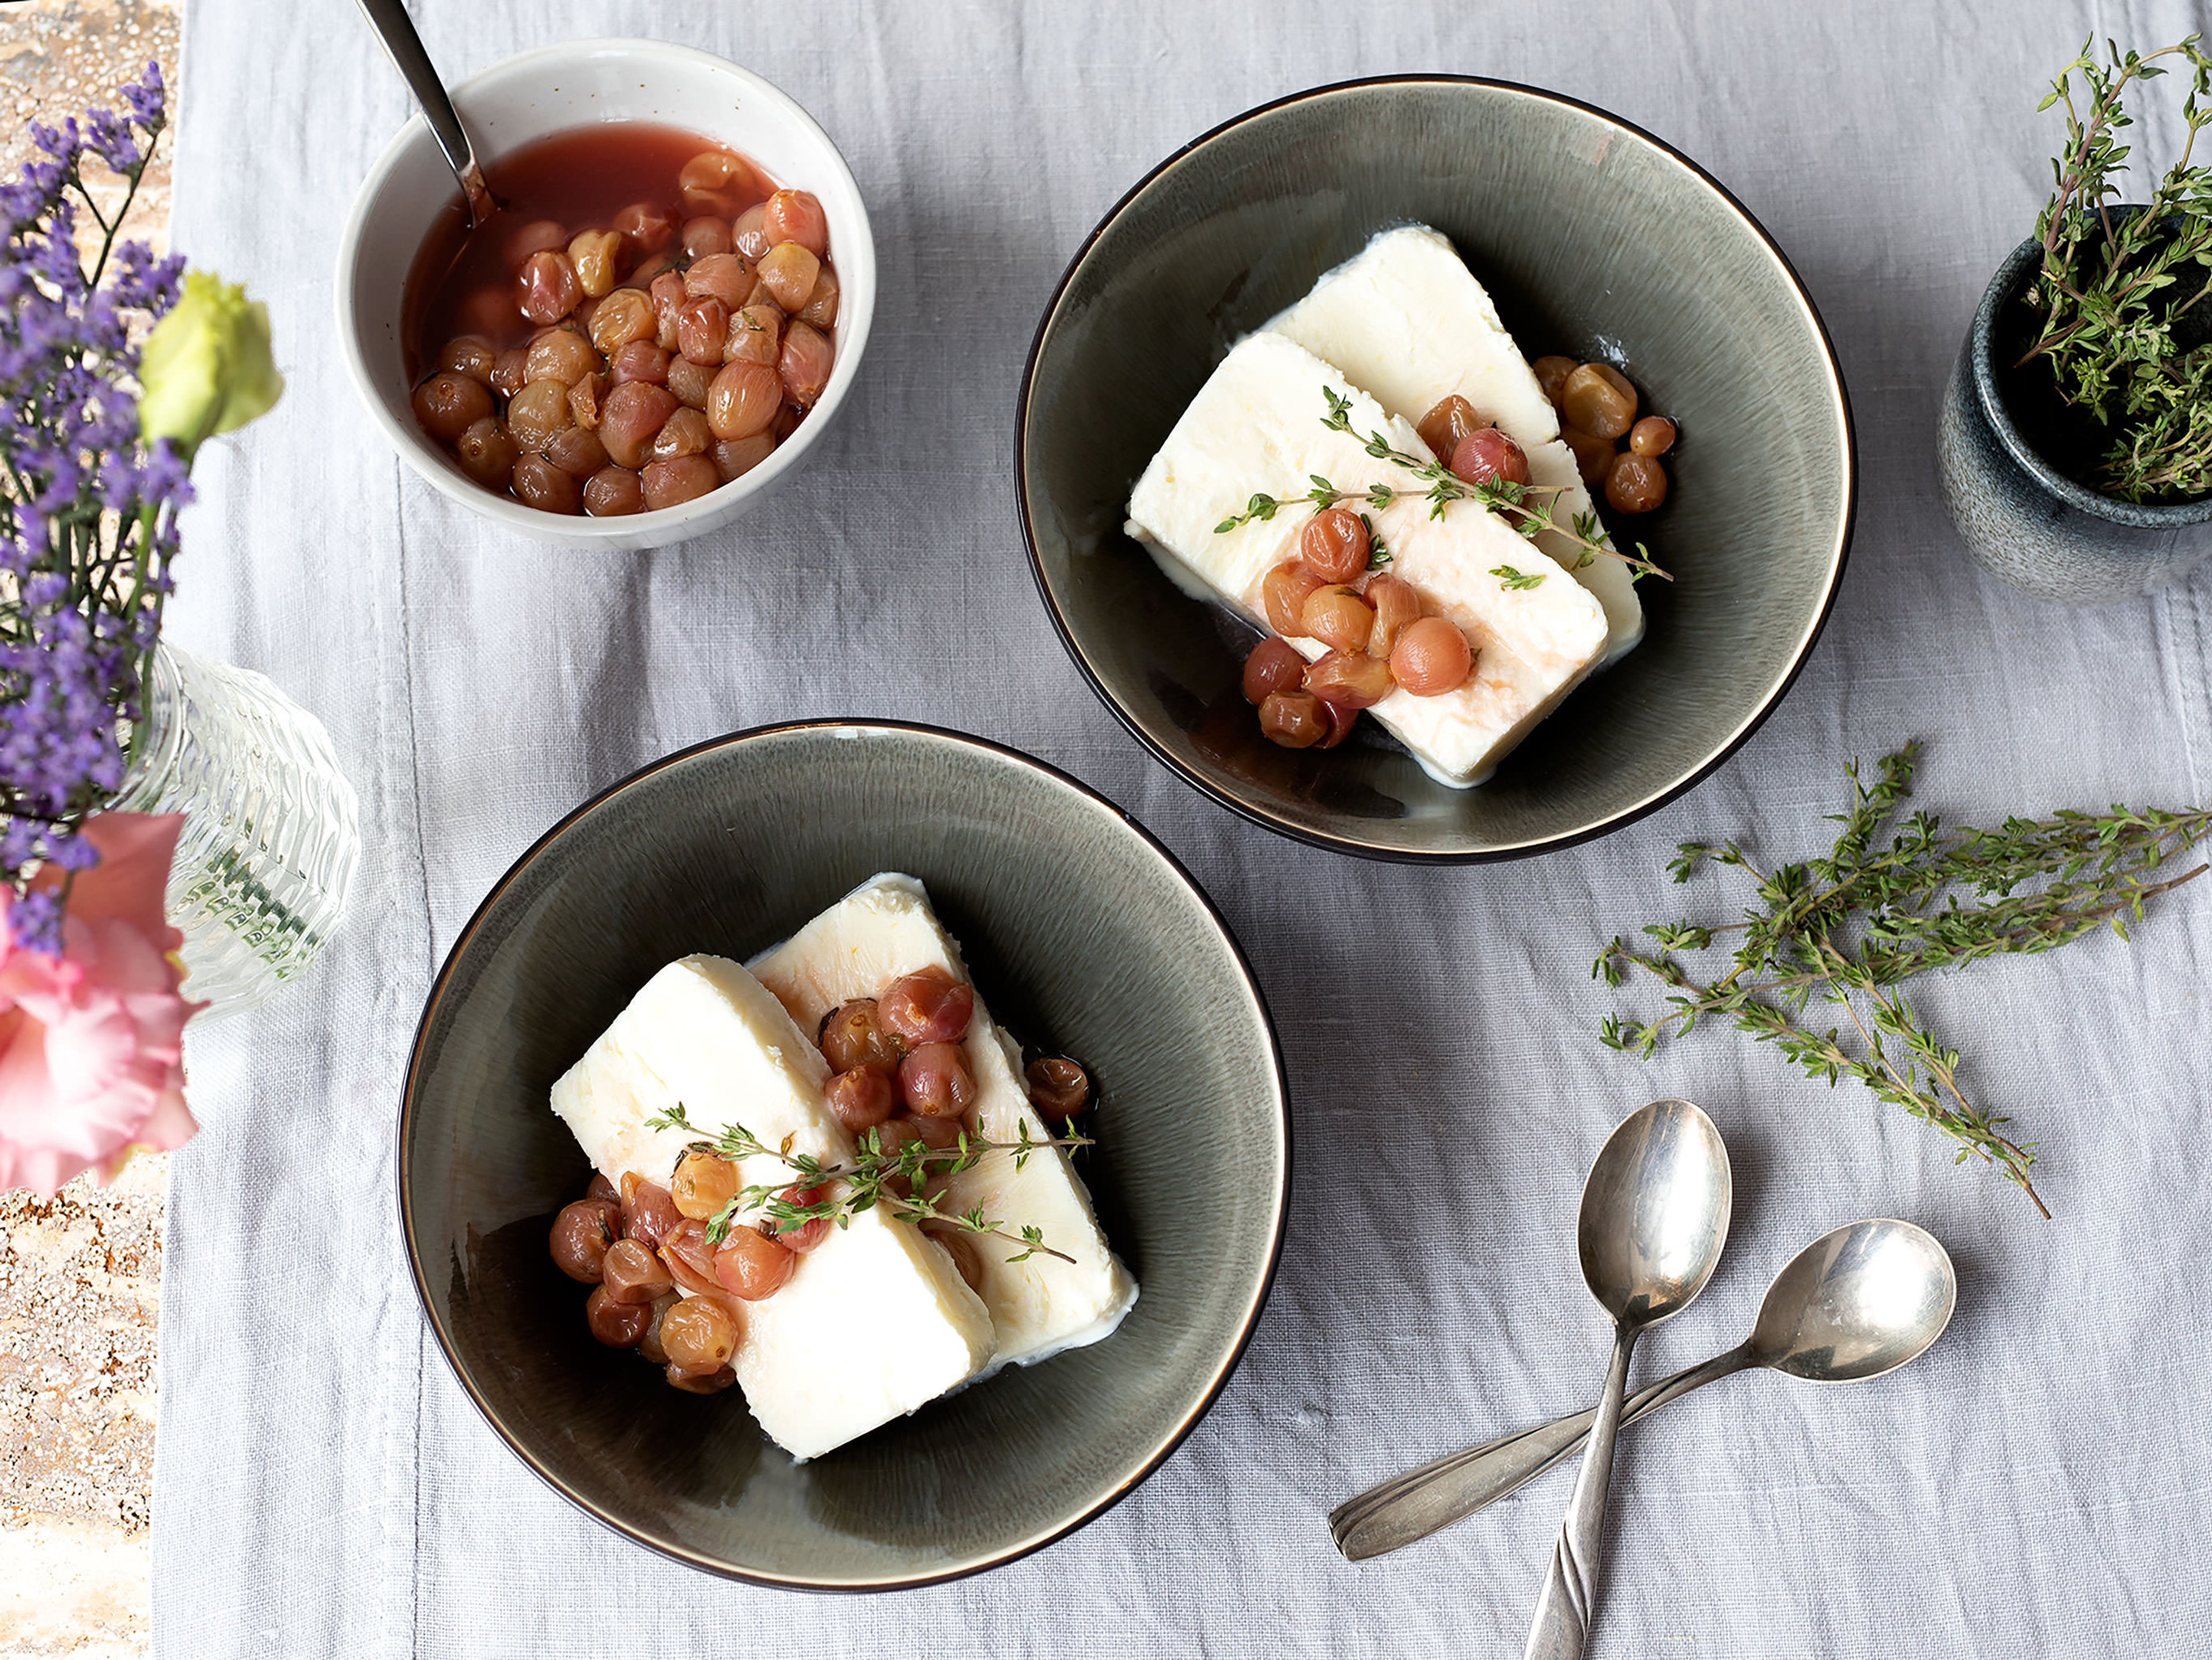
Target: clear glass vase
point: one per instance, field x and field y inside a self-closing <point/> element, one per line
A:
<point x="271" y="831"/>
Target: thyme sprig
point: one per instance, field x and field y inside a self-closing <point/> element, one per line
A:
<point x="2113" y="288"/>
<point x="900" y="1180"/>
<point x="1848" y="929"/>
<point x="1527" y="508"/>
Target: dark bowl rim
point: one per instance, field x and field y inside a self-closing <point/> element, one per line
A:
<point x="2005" y="286"/>
<point x="1379" y="850"/>
<point x="1223" y="1371"/>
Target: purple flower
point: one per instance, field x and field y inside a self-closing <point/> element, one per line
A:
<point x="83" y="610"/>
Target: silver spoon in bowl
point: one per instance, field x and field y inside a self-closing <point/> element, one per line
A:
<point x="1857" y="1303"/>
<point x="396" y="29"/>
<point x="1654" y="1214"/>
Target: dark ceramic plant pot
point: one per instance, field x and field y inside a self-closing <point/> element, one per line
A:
<point x="2022" y="519"/>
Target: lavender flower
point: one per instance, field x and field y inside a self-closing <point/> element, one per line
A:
<point x="87" y="509"/>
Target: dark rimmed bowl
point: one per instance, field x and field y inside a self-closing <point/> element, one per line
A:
<point x="1596" y="241"/>
<point x="1084" y="934"/>
<point x="2022" y="519"/>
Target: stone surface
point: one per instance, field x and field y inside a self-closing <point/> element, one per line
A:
<point x="80" y="1276"/>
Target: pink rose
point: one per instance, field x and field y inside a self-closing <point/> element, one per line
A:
<point x="91" y="1041"/>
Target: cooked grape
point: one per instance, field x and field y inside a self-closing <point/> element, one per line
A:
<point x="787" y="272"/>
<point x="616" y="1324"/>
<point x="1598" y="398"/>
<point x="649" y="1215"/>
<point x="1283" y="595"/>
<point x="862" y="1097"/>
<point x="796" y="216"/>
<point x="538" y="484"/>
<point x="581" y="1233"/>
<point x="736" y="456"/>
<point x="803" y="366"/>
<point x="1353" y="679"/>
<point x="852" y="1034"/>
<point x="935" y="1082"/>
<point x="1293" y="718"/>
<point x="1336" y="546"/>
<point x="700" y="1335"/>
<point x="927" y="1007"/>
<point x="1397" y="604"/>
<point x="1274" y="665"/>
<point x="1447" y="425"/>
<point x="448" y="404"/>
<point x="703" y="1183"/>
<point x="547" y="290"/>
<point x="753" y="1265"/>
<point x="1594" y="456"/>
<point x="1432" y="657"/>
<point x="1637" y="483"/>
<point x="1336" y="617"/>
<point x="743" y="399"/>
<point x="486" y="451"/>
<point x="1552" y="374"/>
<point x="613" y="491"/>
<point x="1489" y="453"/>
<point x="598" y="257"/>
<point x="1058" y="1087"/>
<point x="634" y="1273"/>
<point x="683" y="479"/>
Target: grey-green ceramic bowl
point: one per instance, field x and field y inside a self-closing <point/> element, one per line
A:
<point x="1597" y="240"/>
<point x="2021" y="518"/>
<point x="1085" y="936"/>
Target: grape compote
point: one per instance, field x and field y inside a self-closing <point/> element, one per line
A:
<point x="645" y="320"/>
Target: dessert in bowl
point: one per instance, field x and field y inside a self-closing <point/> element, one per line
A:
<point x="666" y="313"/>
<point x="1602" y="614"/>
<point x="902" y="1403"/>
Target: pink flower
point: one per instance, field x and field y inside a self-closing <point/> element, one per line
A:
<point x="91" y="1041"/>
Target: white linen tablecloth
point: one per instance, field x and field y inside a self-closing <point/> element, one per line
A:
<point x="2036" y="1485"/>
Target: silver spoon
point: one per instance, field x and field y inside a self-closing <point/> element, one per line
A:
<point x="396" y="29"/>
<point x="1855" y="1304"/>
<point x="1654" y="1215"/>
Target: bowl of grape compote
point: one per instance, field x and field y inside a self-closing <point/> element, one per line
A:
<point x="661" y="310"/>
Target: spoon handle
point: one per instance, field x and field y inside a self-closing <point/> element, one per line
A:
<point x="396" y="29"/>
<point x="1561" y="1627"/>
<point x="1413" y="1506"/>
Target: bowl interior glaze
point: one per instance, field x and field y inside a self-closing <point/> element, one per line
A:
<point x="1083" y="934"/>
<point x="1596" y="241"/>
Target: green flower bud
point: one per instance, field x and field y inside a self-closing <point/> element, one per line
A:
<point x="206" y="367"/>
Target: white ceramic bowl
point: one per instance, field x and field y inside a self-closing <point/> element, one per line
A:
<point x="550" y="90"/>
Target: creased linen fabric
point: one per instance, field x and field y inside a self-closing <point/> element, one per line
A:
<point x="2036" y="1485"/>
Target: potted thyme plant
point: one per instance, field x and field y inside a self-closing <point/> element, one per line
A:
<point x="2075" y="445"/>
<point x="173" y="833"/>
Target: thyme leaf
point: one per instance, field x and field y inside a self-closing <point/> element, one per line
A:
<point x="1845" y="931"/>
<point x="1528" y="508"/>
<point x="905" y="1181"/>
<point x="2113" y="291"/>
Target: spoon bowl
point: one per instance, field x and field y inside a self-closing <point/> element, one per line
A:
<point x="1654" y="1212"/>
<point x="1856" y="1303"/>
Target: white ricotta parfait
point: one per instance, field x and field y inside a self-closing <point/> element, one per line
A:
<point x="886" y="929"/>
<point x="873" y="1323"/>
<point x="1408" y="323"/>
<point x="1256" y="425"/>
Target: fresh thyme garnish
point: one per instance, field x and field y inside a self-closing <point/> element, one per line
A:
<point x="1377" y="555"/>
<point x="2114" y="289"/>
<point x="1515" y="579"/>
<point x="1850" y="927"/>
<point x="869" y="1181"/>
<point x="1527" y="507"/>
